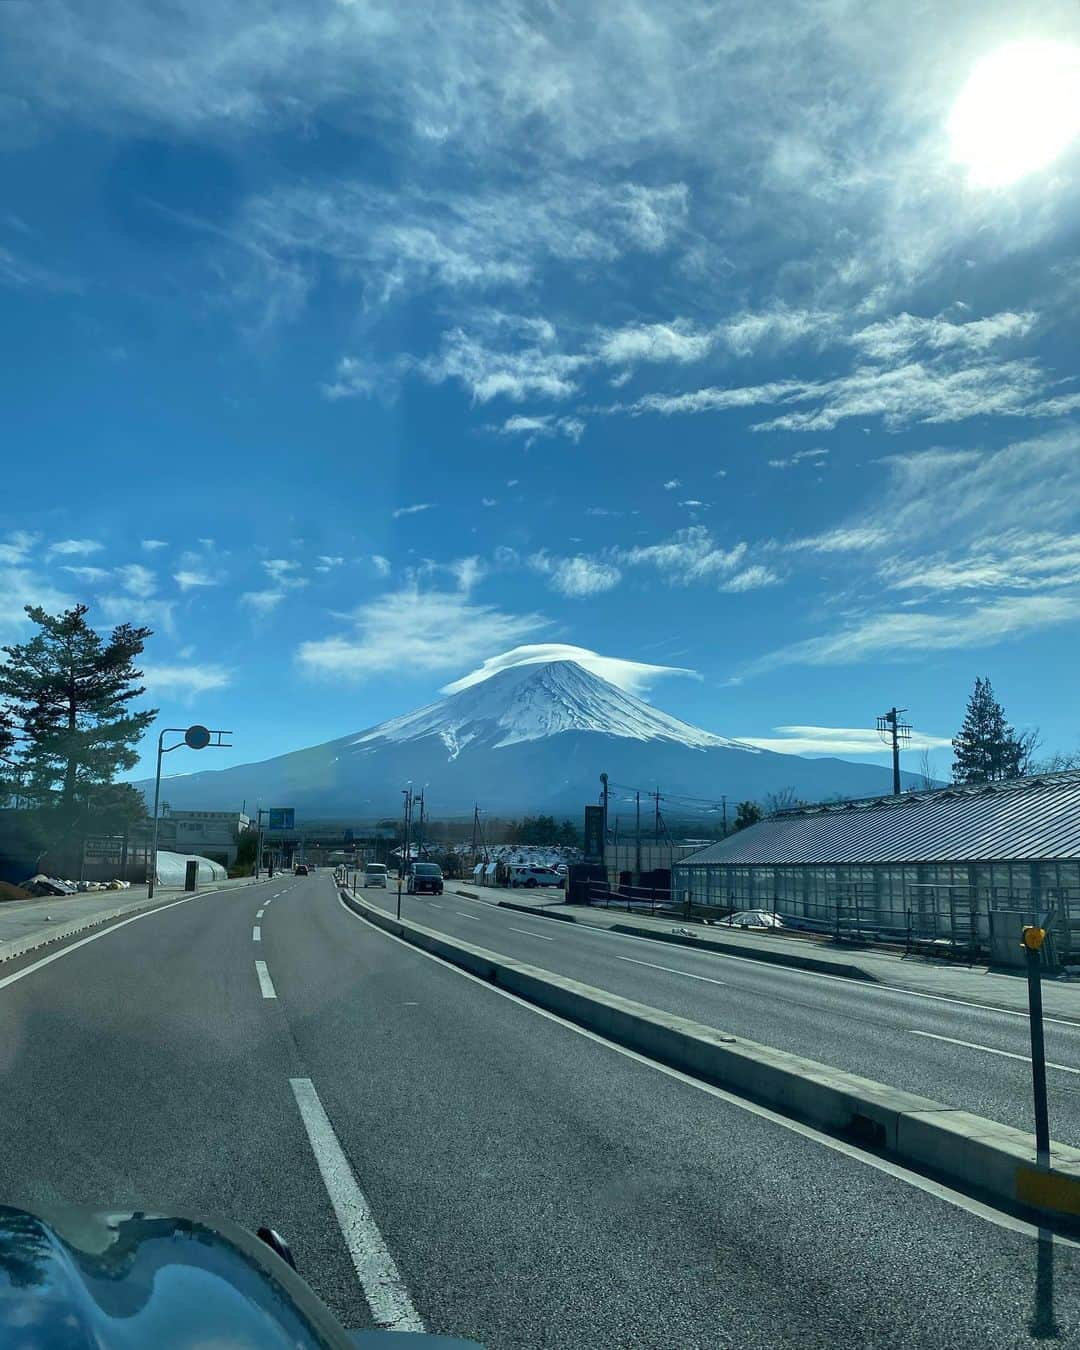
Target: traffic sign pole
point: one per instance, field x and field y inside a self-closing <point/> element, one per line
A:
<point x="1033" y="938"/>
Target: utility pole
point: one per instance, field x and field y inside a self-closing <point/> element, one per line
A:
<point x="407" y="808"/>
<point x="894" y="733"/>
<point x="723" y="804"/>
<point x="657" y="796"/>
<point x="420" y="831"/>
<point x="475" y="827"/>
<point x="604" y="802"/>
<point x="637" y="838"/>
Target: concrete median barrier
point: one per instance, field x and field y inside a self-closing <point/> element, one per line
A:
<point x="980" y="1156"/>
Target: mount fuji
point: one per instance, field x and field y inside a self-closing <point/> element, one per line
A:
<point x="528" y="738"/>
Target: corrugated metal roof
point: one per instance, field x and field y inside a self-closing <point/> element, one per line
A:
<point x="1018" y="819"/>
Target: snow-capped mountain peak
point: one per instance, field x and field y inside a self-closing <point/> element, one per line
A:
<point x="530" y="702"/>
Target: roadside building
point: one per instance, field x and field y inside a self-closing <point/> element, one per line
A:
<point x="211" y="834"/>
<point x="964" y="866"/>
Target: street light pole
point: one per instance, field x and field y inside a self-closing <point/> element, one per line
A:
<point x="196" y="737"/>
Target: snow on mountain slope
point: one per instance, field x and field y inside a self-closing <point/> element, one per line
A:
<point x="529" y="703"/>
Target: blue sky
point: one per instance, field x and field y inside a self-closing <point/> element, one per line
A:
<point x="352" y="346"/>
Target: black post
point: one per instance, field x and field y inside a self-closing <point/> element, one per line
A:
<point x="1033" y="940"/>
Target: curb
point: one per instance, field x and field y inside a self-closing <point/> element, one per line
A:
<point x="965" y="1150"/>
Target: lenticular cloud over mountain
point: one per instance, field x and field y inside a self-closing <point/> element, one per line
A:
<point x="634" y="676"/>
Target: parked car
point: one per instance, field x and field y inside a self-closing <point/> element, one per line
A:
<point x="425" y="877"/>
<point x="300" y="870"/>
<point x="375" y="874"/>
<point x="521" y="875"/>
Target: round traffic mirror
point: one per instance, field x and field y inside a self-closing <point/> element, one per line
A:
<point x="197" y="738"/>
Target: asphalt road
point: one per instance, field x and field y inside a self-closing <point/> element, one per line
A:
<point x="966" y="1056"/>
<point x="529" y="1185"/>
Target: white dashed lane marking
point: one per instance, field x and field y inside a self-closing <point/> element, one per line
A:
<point x="990" y="1050"/>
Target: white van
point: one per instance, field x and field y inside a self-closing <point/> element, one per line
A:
<point x="374" y="874"/>
<point x="521" y="875"/>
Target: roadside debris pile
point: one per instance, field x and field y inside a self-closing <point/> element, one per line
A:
<point x="42" y="885"/>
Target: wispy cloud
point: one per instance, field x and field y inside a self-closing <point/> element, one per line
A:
<point x="413" y="238"/>
<point x="152" y="544"/>
<point x="676" y="341"/>
<point x="327" y="562"/>
<point x="894" y="338"/>
<point x="538" y="425"/>
<point x="576" y="577"/>
<point x="23" y="274"/>
<point x="283" y="573"/>
<point x="190" y="578"/>
<point x="752" y="579"/>
<point x="16" y="546"/>
<point x="844" y="741"/>
<point x="20" y="586"/>
<point x="407" y="630"/>
<point x="122" y="607"/>
<point x="672" y="484"/>
<point x="74" y="548"/>
<point x="137" y="580"/>
<point x="911" y="633"/>
<point x="902" y="395"/>
<point x="262" y="602"/>
<point x="185" y="681"/>
<point x="488" y="371"/>
<point x="637" y="677"/>
<point x="88" y="574"/>
<point x="690" y="555"/>
<point x="412" y="510"/>
<point x="816" y="456"/>
<point x="381" y="564"/>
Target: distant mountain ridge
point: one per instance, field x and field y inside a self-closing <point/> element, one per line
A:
<point x="529" y="738"/>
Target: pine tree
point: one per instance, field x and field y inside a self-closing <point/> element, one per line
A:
<point x="986" y="748"/>
<point x="747" y="813"/>
<point x="69" y="693"/>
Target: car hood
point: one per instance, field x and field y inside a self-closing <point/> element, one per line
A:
<point x="77" y="1278"/>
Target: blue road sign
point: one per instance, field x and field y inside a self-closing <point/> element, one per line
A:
<point x="282" y="818"/>
<point x="197" y="737"/>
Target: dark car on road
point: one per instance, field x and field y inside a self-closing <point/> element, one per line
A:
<point x="425" y="877"/>
<point x="300" y="870"/>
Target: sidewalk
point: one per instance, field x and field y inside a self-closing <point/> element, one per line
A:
<point x="27" y="924"/>
<point x="948" y="979"/>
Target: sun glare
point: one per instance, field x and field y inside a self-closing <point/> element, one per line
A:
<point x="1017" y="113"/>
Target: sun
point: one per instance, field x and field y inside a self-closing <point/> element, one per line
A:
<point x="1017" y="113"/>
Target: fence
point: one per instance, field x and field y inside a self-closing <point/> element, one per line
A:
<point x="952" y="917"/>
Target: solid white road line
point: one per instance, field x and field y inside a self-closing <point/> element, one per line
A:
<point x="266" y="984"/>
<point x="672" y="971"/>
<point x="435" y="906"/>
<point x="256" y="934"/>
<point x="896" y="1170"/>
<point x="529" y="933"/>
<point x="74" y="946"/>
<point x="380" y="1279"/>
<point x="467" y="916"/>
<point x="259" y="913"/>
<point x="990" y="1050"/>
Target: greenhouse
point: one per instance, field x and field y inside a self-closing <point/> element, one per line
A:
<point x="929" y="865"/>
